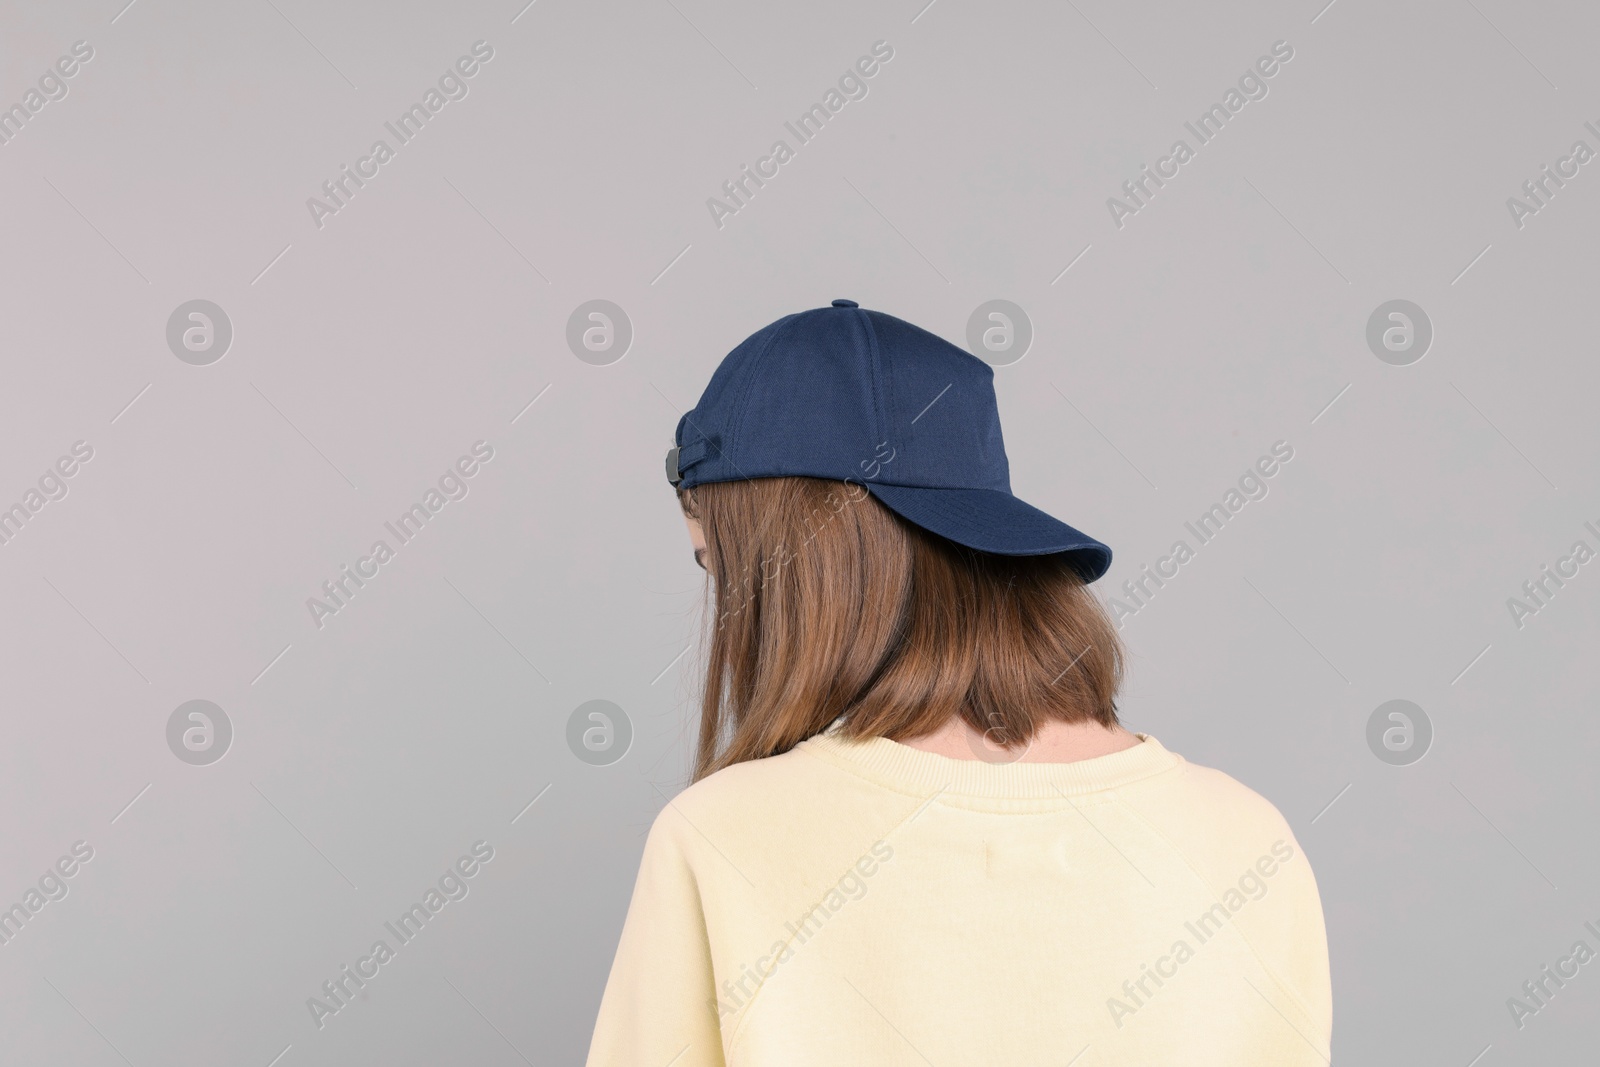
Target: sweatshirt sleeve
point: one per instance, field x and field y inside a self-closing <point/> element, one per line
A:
<point x="1301" y="927"/>
<point x="660" y="1002"/>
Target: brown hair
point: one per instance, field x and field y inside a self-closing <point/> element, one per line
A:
<point x="827" y="603"/>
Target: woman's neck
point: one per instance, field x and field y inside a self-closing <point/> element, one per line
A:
<point x="1053" y="742"/>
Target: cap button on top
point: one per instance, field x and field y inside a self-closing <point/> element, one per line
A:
<point x="845" y="304"/>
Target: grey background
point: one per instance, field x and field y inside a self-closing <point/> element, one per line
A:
<point x="369" y="354"/>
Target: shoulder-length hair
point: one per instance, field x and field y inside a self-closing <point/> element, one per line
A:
<point x="828" y="604"/>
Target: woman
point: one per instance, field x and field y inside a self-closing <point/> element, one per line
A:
<point x="917" y="832"/>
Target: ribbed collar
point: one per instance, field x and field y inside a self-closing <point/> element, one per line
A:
<point x="912" y="770"/>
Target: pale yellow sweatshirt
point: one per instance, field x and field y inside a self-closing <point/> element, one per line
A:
<point x="871" y="903"/>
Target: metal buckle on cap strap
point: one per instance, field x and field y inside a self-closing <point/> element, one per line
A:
<point x="681" y="458"/>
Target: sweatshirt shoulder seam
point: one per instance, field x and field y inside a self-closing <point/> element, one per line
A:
<point x="1304" y="1010"/>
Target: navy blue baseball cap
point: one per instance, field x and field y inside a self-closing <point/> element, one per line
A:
<point x="855" y="395"/>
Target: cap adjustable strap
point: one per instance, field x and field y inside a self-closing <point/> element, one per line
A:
<point x="681" y="457"/>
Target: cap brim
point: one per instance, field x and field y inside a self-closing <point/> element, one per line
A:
<point x="991" y="521"/>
